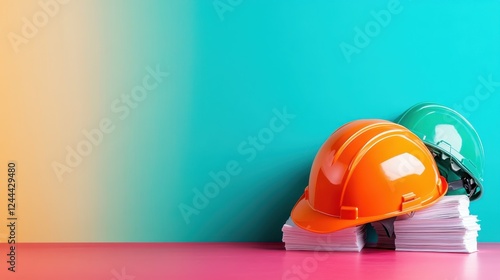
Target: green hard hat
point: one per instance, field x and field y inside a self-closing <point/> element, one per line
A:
<point x="455" y="144"/>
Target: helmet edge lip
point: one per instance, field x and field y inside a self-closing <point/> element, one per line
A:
<point x="336" y="223"/>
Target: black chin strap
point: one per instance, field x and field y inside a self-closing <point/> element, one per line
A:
<point x="466" y="182"/>
<point x="388" y="225"/>
<point x="469" y="185"/>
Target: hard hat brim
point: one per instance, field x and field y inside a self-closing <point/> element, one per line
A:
<point x="464" y="165"/>
<point x="307" y="218"/>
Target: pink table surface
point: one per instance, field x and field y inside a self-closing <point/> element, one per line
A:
<point x="256" y="261"/>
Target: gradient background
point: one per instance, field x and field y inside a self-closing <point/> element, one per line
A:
<point x="227" y="75"/>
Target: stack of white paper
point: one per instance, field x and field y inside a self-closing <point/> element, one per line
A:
<point x="350" y="239"/>
<point x="447" y="226"/>
<point x="383" y="240"/>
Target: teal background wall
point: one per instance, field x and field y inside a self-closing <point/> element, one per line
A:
<point x="289" y="72"/>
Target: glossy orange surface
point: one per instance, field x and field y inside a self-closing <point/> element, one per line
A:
<point x="367" y="170"/>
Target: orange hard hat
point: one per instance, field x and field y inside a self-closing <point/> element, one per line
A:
<point x="368" y="170"/>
